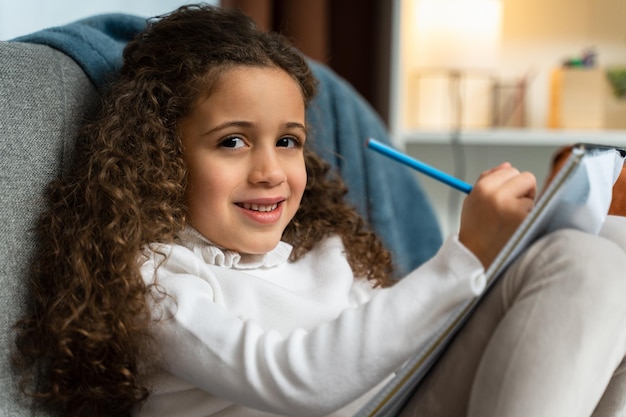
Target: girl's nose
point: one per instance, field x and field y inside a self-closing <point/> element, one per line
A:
<point x="266" y="168"/>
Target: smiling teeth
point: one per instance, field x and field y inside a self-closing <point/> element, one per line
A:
<point x="259" y="207"/>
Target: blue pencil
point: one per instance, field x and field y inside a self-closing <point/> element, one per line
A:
<point x="419" y="166"/>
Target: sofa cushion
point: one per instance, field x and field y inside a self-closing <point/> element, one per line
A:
<point x="44" y="96"/>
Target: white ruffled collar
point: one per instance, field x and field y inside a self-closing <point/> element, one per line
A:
<point x="214" y="255"/>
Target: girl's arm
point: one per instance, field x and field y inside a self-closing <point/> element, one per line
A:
<point x="304" y="372"/>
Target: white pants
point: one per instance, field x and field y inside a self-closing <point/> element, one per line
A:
<point x="547" y="340"/>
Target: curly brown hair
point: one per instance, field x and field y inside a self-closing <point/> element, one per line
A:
<point x="86" y="336"/>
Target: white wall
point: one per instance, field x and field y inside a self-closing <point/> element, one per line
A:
<point x="26" y="16"/>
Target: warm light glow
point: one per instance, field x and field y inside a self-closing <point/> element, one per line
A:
<point x="457" y="34"/>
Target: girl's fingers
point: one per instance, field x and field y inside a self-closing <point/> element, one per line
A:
<point x="492" y="180"/>
<point x="523" y="185"/>
<point x="498" y="203"/>
<point x="505" y="176"/>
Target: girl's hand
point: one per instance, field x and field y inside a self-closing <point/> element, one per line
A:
<point x="500" y="200"/>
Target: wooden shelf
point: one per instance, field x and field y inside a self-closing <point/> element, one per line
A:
<point x="517" y="137"/>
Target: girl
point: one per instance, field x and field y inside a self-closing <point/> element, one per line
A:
<point x="200" y="260"/>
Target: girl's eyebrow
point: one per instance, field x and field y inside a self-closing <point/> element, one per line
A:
<point x="232" y="123"/>
<point x="243" y="123"/>
<point x="295" y="125"/>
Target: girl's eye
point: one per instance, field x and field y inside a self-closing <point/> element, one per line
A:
<point x="233" y="142"/>
<point x="288" y="142"/>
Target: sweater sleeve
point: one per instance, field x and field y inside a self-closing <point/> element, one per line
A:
<point x="307" y="372"/>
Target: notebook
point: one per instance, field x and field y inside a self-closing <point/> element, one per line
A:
<point x="578" y="196"/>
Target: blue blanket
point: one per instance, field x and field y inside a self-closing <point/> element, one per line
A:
<point x="387" y="194"/>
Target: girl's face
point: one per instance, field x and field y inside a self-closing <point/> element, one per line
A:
<point x="243" y="147"/>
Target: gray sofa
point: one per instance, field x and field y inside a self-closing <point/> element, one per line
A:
<point x="45" y="95"/>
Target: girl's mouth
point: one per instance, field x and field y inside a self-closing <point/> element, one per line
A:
<point x="262" y="212"/>
<point x="258" y="207"/>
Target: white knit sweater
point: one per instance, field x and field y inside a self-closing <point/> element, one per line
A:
<point x="241" y="333"/>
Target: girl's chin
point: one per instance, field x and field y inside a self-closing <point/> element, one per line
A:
<point x="259" y="245"/>
<point x="258" y="250"/>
